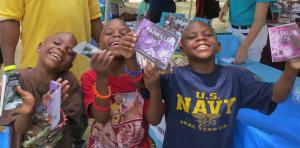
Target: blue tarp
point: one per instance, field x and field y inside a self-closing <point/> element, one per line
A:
<point x="4" y="138"/>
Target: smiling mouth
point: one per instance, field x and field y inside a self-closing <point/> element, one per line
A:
<point x="115" y="44"/>
<point x="56" y="57"/>
<point x="203" y="47"/>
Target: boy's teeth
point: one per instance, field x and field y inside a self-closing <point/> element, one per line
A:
<point x="56" y="56"/>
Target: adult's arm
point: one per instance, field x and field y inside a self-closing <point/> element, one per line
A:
<point x="9" y="37"/>
<point x="259" y="22"/>
<point x="96" y="28"/>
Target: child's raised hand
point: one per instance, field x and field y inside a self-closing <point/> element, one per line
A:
<point x="151" y="77"/>
<point x="65" y="88"/>
<point x="28" y="102"/>
<point x="127" y="45"/>
<point x="295" y="62"/>
<point x="101" y="63"/>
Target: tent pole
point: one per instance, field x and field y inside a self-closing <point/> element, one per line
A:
<point x="190" y="11"/>
<point x="107" y="10"/>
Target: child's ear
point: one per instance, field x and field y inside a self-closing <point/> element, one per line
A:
<point x="181" y="47"/>
<point x="40" y="46"/>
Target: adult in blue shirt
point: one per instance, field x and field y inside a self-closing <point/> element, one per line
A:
<point x="248" y="23"/>
<point x="159" y="6"/>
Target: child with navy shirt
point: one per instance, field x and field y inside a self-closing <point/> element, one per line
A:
<point x="202" y="99"/>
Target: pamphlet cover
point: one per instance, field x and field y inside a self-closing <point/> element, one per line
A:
<point x="173" y="22"/>
<point x="53" y="107"/>
<point x="155" y="43"/>
<point x="11" y="99"/>
<point x="285" y="42"/>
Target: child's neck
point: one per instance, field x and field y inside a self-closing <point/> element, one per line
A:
<point x="43" y="75"/>
<point x="116" y="67"/>
<point x="204" y="67"/>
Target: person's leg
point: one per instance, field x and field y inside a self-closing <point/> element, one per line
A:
<point x="255" y="50"/>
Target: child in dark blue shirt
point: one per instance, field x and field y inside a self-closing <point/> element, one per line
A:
<point x="202" y="99"/>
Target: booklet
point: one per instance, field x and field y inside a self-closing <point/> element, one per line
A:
<point x="85" y="49"/>
<point x="284" y="42"/>
<point x="173" y="22"/>
<point x="53" y="107"/>
<point x="10" y="99"/>
<point x="155" y="43"/>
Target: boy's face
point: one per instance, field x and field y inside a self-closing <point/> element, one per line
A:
<point x="111" y="35"/>
<point x="56" y="51"/>
<point x="199" y="41"/>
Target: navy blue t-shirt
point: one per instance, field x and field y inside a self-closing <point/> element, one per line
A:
<point x="162" y="5"/>
<point x="202" y="108"/>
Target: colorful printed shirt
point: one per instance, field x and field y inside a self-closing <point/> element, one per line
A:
<point x="127" y="127"/>
<point x="202" y="108"/>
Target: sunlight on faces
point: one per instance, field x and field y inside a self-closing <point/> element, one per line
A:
<point x="111" y="35"/>
<point x="56" y="51"/>
<point x="199" y="41"/>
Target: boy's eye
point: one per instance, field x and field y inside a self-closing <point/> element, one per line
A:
<point x="108" y="32"/>
<point x="191" y="37"/>
<point x="124" y="31"/>
<point x="56" y="43"/>
<point x="208" y="34"/>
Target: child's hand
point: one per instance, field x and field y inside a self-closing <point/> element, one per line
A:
<point x="295" y="62"/>
<point x="28" y="102"/>
<point x="101" y="63"/>
<point x="127" y="45"/>
<point x="151" y="77"/>
<point x="65" y="88"/>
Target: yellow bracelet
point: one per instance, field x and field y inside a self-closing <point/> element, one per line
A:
<point x="9" y="67"/>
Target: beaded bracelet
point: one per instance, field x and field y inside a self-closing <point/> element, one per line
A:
<point x="132" y="73"/>
<point x="100" y="96"/>
<point x="100" y="108"/>
<point x="59" y="126"/>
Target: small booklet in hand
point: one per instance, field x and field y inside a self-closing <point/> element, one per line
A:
<point x="173" y="22"/>
<point x="155" y="43"/>
<point x="53" y="107"/>
<point x="10" y="99"/>
<point x="85" y="49"/>
<point x="284" y="42"/>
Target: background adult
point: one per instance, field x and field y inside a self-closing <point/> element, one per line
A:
<point x="159" y="6"/>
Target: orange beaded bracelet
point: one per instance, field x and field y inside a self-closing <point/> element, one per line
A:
<point x="100" y="96"/>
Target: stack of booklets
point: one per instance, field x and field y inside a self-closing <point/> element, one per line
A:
<point x="10" y="99"/>
<point x="285" y="42"/>
<point x="155" y="44"/>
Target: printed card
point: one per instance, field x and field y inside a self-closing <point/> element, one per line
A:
<point x="284" y="41"/>
<point x="53" y="107"/>
<point x="85" y="49"/>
